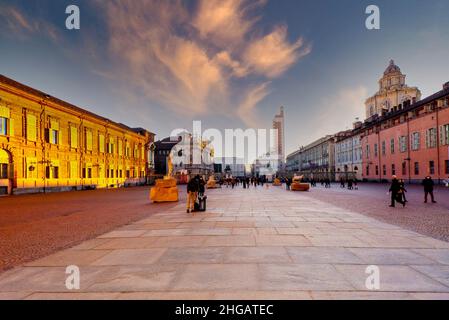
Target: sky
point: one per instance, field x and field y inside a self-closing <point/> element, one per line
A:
<point x="228" y="63"/>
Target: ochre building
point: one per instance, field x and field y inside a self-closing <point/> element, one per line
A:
<point x="47" y="144"/>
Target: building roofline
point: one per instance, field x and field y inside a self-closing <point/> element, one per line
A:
<point x="44" y="96"/>
<point x="412" y="107"/>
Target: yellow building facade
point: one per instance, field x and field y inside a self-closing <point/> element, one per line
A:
<point x="47" y="144"/>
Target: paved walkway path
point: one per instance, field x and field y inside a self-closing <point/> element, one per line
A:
<point x="251" y="244"/>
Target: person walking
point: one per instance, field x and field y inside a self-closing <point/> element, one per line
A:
<point x="402" y="190"/>
<point x="350" y="184"/>
<point x="428" y="189"/>
<point x="394" y="191"/>
<point x="288" y="183"/>
<point x="192" y="193"/>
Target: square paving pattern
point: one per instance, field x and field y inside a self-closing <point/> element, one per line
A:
<point x="250" y="244"/>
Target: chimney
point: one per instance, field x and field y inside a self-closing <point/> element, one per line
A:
<point x="357" y="124"/>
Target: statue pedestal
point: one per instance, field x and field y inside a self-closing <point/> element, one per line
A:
<point x="277" y="182"/>
<point x="211" y="183"/>
<point x="165" y="190"/>
<point x="296" y="186"/>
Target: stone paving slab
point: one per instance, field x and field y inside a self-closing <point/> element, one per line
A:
<point x="251" y="244"/>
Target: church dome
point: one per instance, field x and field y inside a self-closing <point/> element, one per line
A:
<point x="392" y="68"/>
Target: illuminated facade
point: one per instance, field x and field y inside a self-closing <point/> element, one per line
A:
<point x="50" y="145"/>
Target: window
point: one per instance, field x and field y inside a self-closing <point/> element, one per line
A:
<point x="384" y="170"/>
<point x="73" y="169"/>
<point x="367" y="151"/>
<point x="101" y="143"/>
<point x="416" y="168"/>
<point x="3" y="171"/>
<point x="52" y="172"/>
<point x="87" y="173"/>
<point x="31" y="130"/>
<point x="128" y="150"/>
<point x="54" y="136"/>
<point x="444" y="135"/>
<point x="447" y="166"/>
<point x="431" y="138"/>
<point x="120" y="148"/>
<point x="415" y="141"/>
<point x="432" y="167"/>
<point x="375" y="150"/>
<point x="392" y="146"/>
<point x="404" y="168"/>
<point x="393" y="170"/>
<point x="89" y="140"/>
<point x="403" y="144"/>
<point x="377" y="170"/>
<point x="384" y="148"/>
<point x="4" y="116"/>
<point x="3" y="128"/>
<point x="111" y="146"/>
<point x="54" y="132"/>
<point x="73" y="137"/>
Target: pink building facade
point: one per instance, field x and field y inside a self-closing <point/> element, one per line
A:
<point x="411" y="142"/>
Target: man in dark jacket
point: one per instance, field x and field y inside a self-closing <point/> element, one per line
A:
<point x="192" y="193"/>
<point x="394" y="190"/>
<point x="428" y="189"/>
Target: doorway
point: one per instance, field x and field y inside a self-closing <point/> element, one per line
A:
<point x="6" y="176"/>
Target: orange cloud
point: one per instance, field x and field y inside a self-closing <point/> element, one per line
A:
<point x="272" y="54"/>
<point x="225" y="20"/>
<point x="193" y="60"/>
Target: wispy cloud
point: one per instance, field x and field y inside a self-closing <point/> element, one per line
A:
<point x="18" y="24"/>
<point x="193" y="58"/>
<point x="210" y="58"/>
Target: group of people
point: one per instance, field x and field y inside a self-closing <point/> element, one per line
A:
<point x="351" y="184"/>
<point x="246" y="182"/>
<point x="196" y="198"/>
<point x="397" y="191"/>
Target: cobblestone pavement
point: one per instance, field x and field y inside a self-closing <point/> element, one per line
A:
<point x="372" y="200"/>
<point x="33" y="226"/>
<point x="251" y="244"/>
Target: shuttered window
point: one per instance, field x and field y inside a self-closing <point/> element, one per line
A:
<point x="31" y="123"/>
<point x="73" y="169"/>
<point x="74" y="137"/>
<point x="101" y="143"/>
<point x="120" y="147"/>
<point x="89" y="140"/>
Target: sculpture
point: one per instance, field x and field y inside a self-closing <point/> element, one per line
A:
<point x="165" y="189"/>
<point x="298" y="186"/>
<point x="211" y="183"/>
